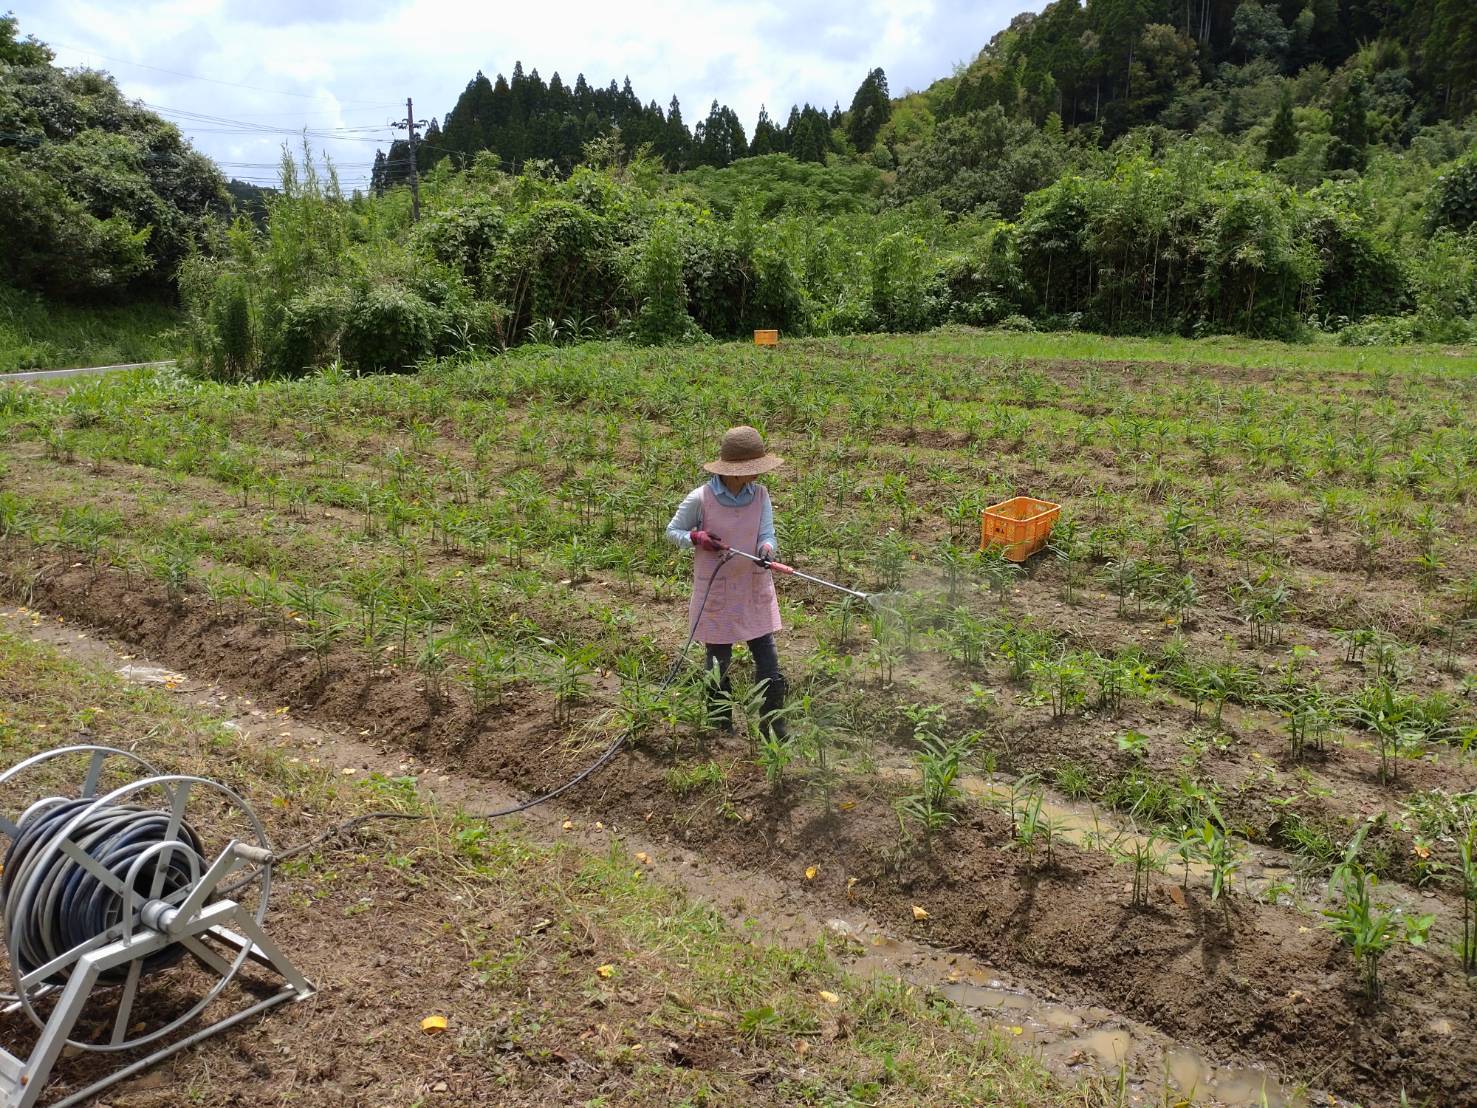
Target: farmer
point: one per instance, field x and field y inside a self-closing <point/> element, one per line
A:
<point x="732" y="509"/>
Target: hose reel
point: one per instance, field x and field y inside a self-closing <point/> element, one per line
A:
<point x="119" y="926"/>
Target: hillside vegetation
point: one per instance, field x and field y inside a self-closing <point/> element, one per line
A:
<point x="1281" y="170"/>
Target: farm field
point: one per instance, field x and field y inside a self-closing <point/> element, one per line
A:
<point x="567" y="970"/>
<point x="1131" y="773"/>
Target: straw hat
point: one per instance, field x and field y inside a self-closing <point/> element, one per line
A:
<point x="742" y="455"/>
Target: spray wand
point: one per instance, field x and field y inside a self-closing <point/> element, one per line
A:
<point x="791" y="571"/>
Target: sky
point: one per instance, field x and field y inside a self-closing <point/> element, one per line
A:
<point x="342" y="69"/>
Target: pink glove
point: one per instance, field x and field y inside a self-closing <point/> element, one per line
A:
<point x="707" y="541"/>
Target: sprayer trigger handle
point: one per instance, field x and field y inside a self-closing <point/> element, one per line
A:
<point x="779" y="567"/>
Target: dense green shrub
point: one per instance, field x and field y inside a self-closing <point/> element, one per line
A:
<point x="389" y="328"/>
<point x="1360" y="274"/>
<point x="311" y="328"/>
<point x="1453" y="202"/>
<point x="235" y="352"/>
<point x="1161" y="237"/>
<point x="97" y="193"/>
<point x="661" y="287"/>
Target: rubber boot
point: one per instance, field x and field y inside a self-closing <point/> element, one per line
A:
<point x="775" y="689"/>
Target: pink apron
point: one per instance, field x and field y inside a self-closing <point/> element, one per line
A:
<point x="741" y="604"/>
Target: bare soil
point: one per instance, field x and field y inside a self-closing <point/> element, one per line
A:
<point x="1258" y="983"/>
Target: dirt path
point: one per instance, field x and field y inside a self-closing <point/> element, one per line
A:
<point x="1073" y="1040"/>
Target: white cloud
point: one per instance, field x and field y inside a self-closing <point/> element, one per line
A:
<point x="339" y="64"/>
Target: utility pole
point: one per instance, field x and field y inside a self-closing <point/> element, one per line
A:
<point x="410" y="125"/>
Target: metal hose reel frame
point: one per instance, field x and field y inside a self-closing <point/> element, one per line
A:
<point x="144" y="918"/>
<point x="178" y="788"/>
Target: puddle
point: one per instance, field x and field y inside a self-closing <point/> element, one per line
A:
<point x="149" y="675"/>
<point x="1075" y="1039"/>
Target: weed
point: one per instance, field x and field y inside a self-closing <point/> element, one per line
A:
<point x="696" y="779"/>
<point x="1074" y="780"/>
<point x="1135" y="744"/>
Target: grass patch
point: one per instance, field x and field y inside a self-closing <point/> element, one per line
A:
<point x="37" y="334"/>
<point x="1220" y="350"/>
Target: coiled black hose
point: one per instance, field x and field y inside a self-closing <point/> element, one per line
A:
<point x="51" y="903"/>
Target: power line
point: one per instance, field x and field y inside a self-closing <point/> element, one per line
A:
<point x="212" y="80"/>
<point x="205" y="117"/>
<point x="202" y="123"/>
<point x="268" y="118"/>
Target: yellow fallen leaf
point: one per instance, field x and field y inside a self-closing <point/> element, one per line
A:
<point x="606" y="970"/>
<point x="920" y="914"/>
<point x="846" y="805"/>
<point x="811" y="872"/>
<point x="643" y="857"/>
<point x="568" y="825"/>
<point x="830" y="997"/>
<point x="433" y="1025"/>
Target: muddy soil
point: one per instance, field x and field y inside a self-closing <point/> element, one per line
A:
<point x="1254" y="984"/>
<point x="1074" y="1041"/>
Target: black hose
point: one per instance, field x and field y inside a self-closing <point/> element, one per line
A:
<point x="594" y="767"/>
<point x="52" y="903"/>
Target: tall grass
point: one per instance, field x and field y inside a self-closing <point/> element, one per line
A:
<point x="38" y="334"/>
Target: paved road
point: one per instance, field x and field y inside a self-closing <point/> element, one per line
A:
<point x="50" y="374"/>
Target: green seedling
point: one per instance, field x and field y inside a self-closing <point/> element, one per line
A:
<point x="1146" y="859"/>
<point x="1219" y="852"/>
<point x="1369" y="929"/>
<point x="1135" y="744"/>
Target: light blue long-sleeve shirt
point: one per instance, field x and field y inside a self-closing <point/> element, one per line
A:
<point x="689" y="515"/>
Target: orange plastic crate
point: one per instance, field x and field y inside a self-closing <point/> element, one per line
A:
<point x="1020" y="525"/>
<point x="766" y="338"/>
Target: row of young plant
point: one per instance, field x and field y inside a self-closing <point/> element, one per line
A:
<point x="313" y="616"/>
<point x="1200" y="516"/>
<point x="412" y="487"/>
<point x="1426" y="452"/>
<point x="404" y="497"/>
<point x="1066" y="679"/>
<point x="1369" y="927"/>
<point x="464" y="511"/>
<point x="1371" y="442"/>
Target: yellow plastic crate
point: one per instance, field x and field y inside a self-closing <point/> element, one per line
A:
<point x="766" y="338"/>
<point x="1020" y="525"/>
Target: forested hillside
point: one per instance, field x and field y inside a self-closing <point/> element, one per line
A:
<point x="1129" y="166"/>
<point x="521" y="119"/>
<point x="1098" y="69"/>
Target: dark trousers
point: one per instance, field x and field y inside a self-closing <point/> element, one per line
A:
<point x="766" y="670"/>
